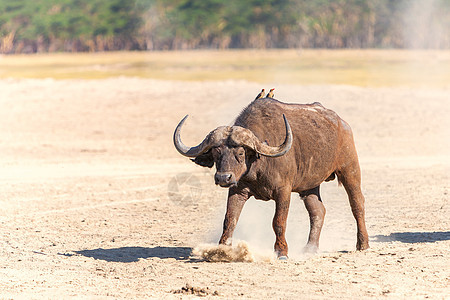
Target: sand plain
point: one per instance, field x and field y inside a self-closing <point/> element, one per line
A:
<point x="96" y="202"/>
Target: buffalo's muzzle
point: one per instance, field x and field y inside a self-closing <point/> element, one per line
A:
<point x="225" y="179"/>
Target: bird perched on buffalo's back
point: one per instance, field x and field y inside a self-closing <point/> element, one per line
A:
<point x="270" y="93"/>
<point x="260" y="95"/>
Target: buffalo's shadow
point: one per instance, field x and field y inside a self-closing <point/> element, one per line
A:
<point x="133" y="254"/>
<point x="414" y="237"/>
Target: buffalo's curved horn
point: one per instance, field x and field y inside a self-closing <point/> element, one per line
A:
<point x="267" y="150"/>
<point x="262" y="148"/>
<point x="189" y="151"/>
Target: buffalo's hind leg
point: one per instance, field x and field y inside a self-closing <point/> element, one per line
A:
<point x="316" y="211"/>
<point x="350" y="177"/>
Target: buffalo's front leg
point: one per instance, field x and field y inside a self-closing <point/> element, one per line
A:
<point x="236" y="201"/>
<point x="282" y="201"/>
<point x="316" y="211"/>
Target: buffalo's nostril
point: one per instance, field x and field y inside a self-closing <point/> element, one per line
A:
<point x="223" y="179"/>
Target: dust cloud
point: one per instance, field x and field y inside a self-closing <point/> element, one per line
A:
<point x="424" y="26"/>
<point x="224" y="253"/>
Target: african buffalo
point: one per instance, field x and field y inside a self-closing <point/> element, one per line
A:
<point x="318" y="148"/>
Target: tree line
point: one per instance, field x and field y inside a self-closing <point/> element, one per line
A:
<point x="29" y="26"/>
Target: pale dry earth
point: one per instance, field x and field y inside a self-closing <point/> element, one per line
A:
<point x="96" y="203"/>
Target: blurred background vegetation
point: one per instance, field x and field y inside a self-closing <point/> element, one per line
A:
<point x="33" y="26"/>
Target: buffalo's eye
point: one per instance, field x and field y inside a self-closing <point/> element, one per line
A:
<point x="216" y="152"/>
<point x="240" y="155"/>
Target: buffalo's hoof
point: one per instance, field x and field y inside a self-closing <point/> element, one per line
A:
<point x="310" y="249"/>
<point x="283" y="257"/>
<point x="362" y="247"/>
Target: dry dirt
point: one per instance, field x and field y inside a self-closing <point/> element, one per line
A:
<point x="96" y="203"/>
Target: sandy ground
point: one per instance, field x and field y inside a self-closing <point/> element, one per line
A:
<point x="96" y="203"/>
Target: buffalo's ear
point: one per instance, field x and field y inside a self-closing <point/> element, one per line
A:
<point x="204" y="160"/>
